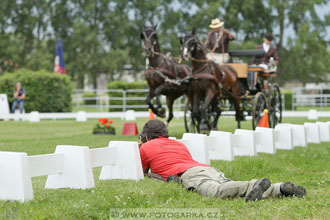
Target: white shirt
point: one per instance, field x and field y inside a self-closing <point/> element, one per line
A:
<point x="266" y="47"/>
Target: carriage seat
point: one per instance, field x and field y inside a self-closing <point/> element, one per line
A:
<point x="262" y="71"/>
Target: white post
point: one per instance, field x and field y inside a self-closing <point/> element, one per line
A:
<point x="298" y="134"/>
<point x="77" y="170"/>
<point x="324" y="128"/>
<point x="283" y="137"/>
<point x="4" y="107"/>
<point x="313" y="132"/>
<point x="197" y="147"/>
<point x="15" y="182"/>
<point x="265" y="141"/>
<point x="127" y="163"/>
<point x="81" y="116"/>
<point x="34" y="116"/>
<point x="130" y="115"/>
<point x="223" y="149"/>
<point x="312" y="114"/>
<point x="244" y="143"/>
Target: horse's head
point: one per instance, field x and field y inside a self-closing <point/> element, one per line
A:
<point x="150" y="40"/>
<point x="189" y="45"/>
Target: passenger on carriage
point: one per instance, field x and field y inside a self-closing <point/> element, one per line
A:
<point x="217" y="42"/>
<point x="269" y="60"/>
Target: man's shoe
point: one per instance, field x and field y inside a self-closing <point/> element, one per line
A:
<point x="289" y="189"/>
<point x="258" y="189"/>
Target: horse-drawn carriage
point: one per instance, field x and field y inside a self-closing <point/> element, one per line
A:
<point x="208" y="85"/>
<point x="253" y="99"/>
<point x="262" y="95"/>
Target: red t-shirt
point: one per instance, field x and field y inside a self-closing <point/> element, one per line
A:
<point x="166" y="157"/>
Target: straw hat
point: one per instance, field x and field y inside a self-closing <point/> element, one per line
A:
<point x="216" y="23"/>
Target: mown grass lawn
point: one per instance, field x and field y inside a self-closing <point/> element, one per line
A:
<point x="308" y="166"/>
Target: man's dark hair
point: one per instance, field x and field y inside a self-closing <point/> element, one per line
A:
<point x="269" y="37"/>
<point x="155" y="128"/>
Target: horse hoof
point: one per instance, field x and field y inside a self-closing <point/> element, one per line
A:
<point x="162" y="112"/>
<point x="204" y="128"/>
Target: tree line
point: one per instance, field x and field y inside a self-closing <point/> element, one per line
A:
<point x="102" y="36"/>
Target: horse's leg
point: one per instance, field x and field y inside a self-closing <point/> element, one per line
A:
<point x="237" y="100"/>
<point x="150" y="96"/>
<point x="158" y="91"/>
<point x="208" y="98"/>
<point x="217" y="110"/>
<point x="195" y="110"/>
<point x="170" y="101"/>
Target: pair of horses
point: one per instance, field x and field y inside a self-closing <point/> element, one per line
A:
<point x="204" y="84"/>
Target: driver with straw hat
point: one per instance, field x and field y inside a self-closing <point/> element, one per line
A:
<point x="217" y="42"/>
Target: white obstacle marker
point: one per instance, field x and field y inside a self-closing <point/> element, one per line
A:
<point x="283" y="137"/>
<point x="222" y="149"/>
<point x="312" y="114"/>
<point x="130" y="115"/>
<point x="68" y="167"/>
<point x="299" y="135"/>
<point x="34" y="116"/>
<point x="15" y="183"/>
<point x="76" y="172"/>
<point x="81" y="116"/>
<point x="244" y="143"/>
<point x="265" y="140"/>
<point x="4" y="106"/>
<point x="312" y="132"/>
<point x="127" y="163"/>
<point x="198" y="146"/>
<point x="324" y="128"/>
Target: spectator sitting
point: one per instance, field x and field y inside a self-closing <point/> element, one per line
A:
<point x="19" y="96"/>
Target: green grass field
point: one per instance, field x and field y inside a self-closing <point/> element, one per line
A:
<point x="308" y="166"/>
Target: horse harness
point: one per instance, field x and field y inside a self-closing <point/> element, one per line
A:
<point x="168" y="76"/>
<point x="207" y="75"/>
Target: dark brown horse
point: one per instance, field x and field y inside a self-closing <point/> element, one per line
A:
<point x="164" y="75"/>
<point x="210" y="83"/>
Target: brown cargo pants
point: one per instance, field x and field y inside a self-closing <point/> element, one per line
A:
<point x="209" y="181"/>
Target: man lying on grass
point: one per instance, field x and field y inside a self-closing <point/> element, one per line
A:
<point x="168" y="157"/>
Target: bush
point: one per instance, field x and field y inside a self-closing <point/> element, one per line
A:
<point x="45" y="91"/>
<point x="288" y="99"/>
<point x="126" y="86"/>
<point x="89" y="95"/>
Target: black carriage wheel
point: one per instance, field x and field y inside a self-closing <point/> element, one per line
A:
<point x="259" y="105"/>
<point x="275" y="106"/>
<point x="191" y="124"/>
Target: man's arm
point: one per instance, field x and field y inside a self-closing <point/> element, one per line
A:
<point x="230" y="35"/>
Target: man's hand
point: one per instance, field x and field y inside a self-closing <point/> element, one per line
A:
<point x="155" y="176"/>
<point x="16" y="93"/>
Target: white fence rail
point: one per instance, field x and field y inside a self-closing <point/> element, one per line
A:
<point x="106" y="99"/>
<point x="310" y="97"/>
